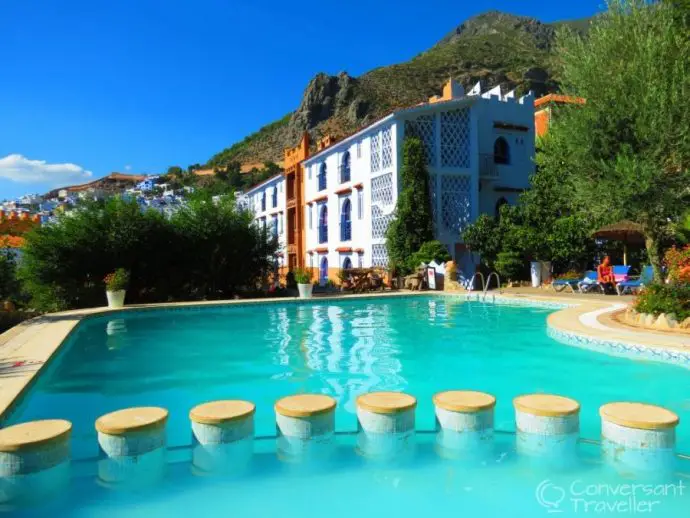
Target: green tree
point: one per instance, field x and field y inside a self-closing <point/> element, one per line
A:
<point x="10" y="288"/>
<point x="628" y="148"/>
<point x="413" y="225"/>
<point x="206" y="250"/>
<point x="484" y="237"/>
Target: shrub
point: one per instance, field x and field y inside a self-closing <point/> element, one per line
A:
<point x="678" y="262"/>
<point x="302" y="276"/>
<point x="9" y="283"/>
<point x="570" y="275"/>
<point x="205" y="250"/>
<point x="665" y="298"/>
<point x="116" y="281"/>
<point x="509" y="265"/>
<point x="484" y="237"/>
<point x="429" y="251"/>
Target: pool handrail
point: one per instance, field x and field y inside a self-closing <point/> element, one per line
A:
<point x="481" y="276"/>
<point x="488" y="283"/>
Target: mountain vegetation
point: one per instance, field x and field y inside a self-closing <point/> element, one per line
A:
<point x="499" y="49"/>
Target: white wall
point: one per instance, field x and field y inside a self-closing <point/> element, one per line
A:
<point x="359" y="173"/>
<point x="267" y="188"/>
<point x="483" y="113"/>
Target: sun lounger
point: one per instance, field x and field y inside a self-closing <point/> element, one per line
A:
<point x="563" y="284"/>
<point x="589" y="283"/>
<point x="632" y="285"/>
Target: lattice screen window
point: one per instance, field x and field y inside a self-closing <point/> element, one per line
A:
<point x="423" y="127"/>
<point x="379" y="255"/>
<point x="382" y="205"/>
<point x="455" y="138"/>
<point x="432" y="198"/>
<point x="456" y="202"/>
<point x="375" y="153"/>
<point x="386" y="148"/>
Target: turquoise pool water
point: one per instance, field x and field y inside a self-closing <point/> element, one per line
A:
<point x="504" y="485"/>
<point x="421" y="345"/>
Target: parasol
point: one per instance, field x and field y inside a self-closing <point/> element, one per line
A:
<point x="629" y="232"/>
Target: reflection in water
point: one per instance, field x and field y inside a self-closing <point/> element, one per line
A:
<point x="116" y="329"/>
<point x="345" y="351"/>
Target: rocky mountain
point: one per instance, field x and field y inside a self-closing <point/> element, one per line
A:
<point x="494" y="47"/>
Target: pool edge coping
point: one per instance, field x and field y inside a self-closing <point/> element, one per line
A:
<point x="28" y="348"/>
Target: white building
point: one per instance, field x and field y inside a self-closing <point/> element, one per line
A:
<point x="267" y="201"/>
<point x="480" y="150"/>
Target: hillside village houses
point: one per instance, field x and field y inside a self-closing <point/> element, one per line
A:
<point x="330" y="210"/>
<point x="148" y="191"/>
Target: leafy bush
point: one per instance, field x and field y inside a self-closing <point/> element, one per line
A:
<point x="116" y="281"/>
<point x="302" y="276"/>
<point x="429" y="251"/>
<point x="570" y="275"/>
<point x="665" y="298"/>
<point x="510" y="265"/>
<point x="10" y="288"/>
<point x="205" y="250"/>
<point x="485" y="238"/>
<point x="678" y="262"/>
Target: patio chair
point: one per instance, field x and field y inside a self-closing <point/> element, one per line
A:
<point x="589" y="282"/>
<point x="633" y="285"/>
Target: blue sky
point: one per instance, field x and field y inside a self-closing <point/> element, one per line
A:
<point x="88" y="87"/>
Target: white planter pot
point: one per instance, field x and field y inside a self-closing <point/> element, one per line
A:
<point x="305" y="290"/>
<point x="116" y="299"/>
<point x="535" y="270"/>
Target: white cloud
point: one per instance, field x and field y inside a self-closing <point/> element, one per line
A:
<point x="18" y="168"/>
<point x="128" y="167"/>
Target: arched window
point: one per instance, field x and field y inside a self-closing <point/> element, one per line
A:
<point x="345" y="168"/>
<point x="322" y="176"/>
<point x="323" y="271"/>
<point x="346" y="221"/>
<point x="347" y="264"/>
<point x="323" y="225"/>
<point x="500" y="203"/>
<point x="501" y="151"/>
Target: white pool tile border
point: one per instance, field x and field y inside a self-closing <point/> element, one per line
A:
<point x="621" y="349"/>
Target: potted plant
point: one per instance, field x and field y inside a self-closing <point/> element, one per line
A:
<point x="303" y="280"/>
<point x="116" y="287"/>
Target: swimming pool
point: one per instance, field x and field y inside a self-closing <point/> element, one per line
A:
<point x="421" y="345"/>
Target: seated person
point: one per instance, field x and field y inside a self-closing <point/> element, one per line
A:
<point x="605" y="275"/>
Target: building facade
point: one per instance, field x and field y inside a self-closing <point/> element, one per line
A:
<point x="479" y="148"/>
<point x="544" y="108"/>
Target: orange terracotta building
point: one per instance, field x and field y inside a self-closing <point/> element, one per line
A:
<point x="543" y="110"/>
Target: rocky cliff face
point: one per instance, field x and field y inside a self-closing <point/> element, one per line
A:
<point x="494" y="47"/>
